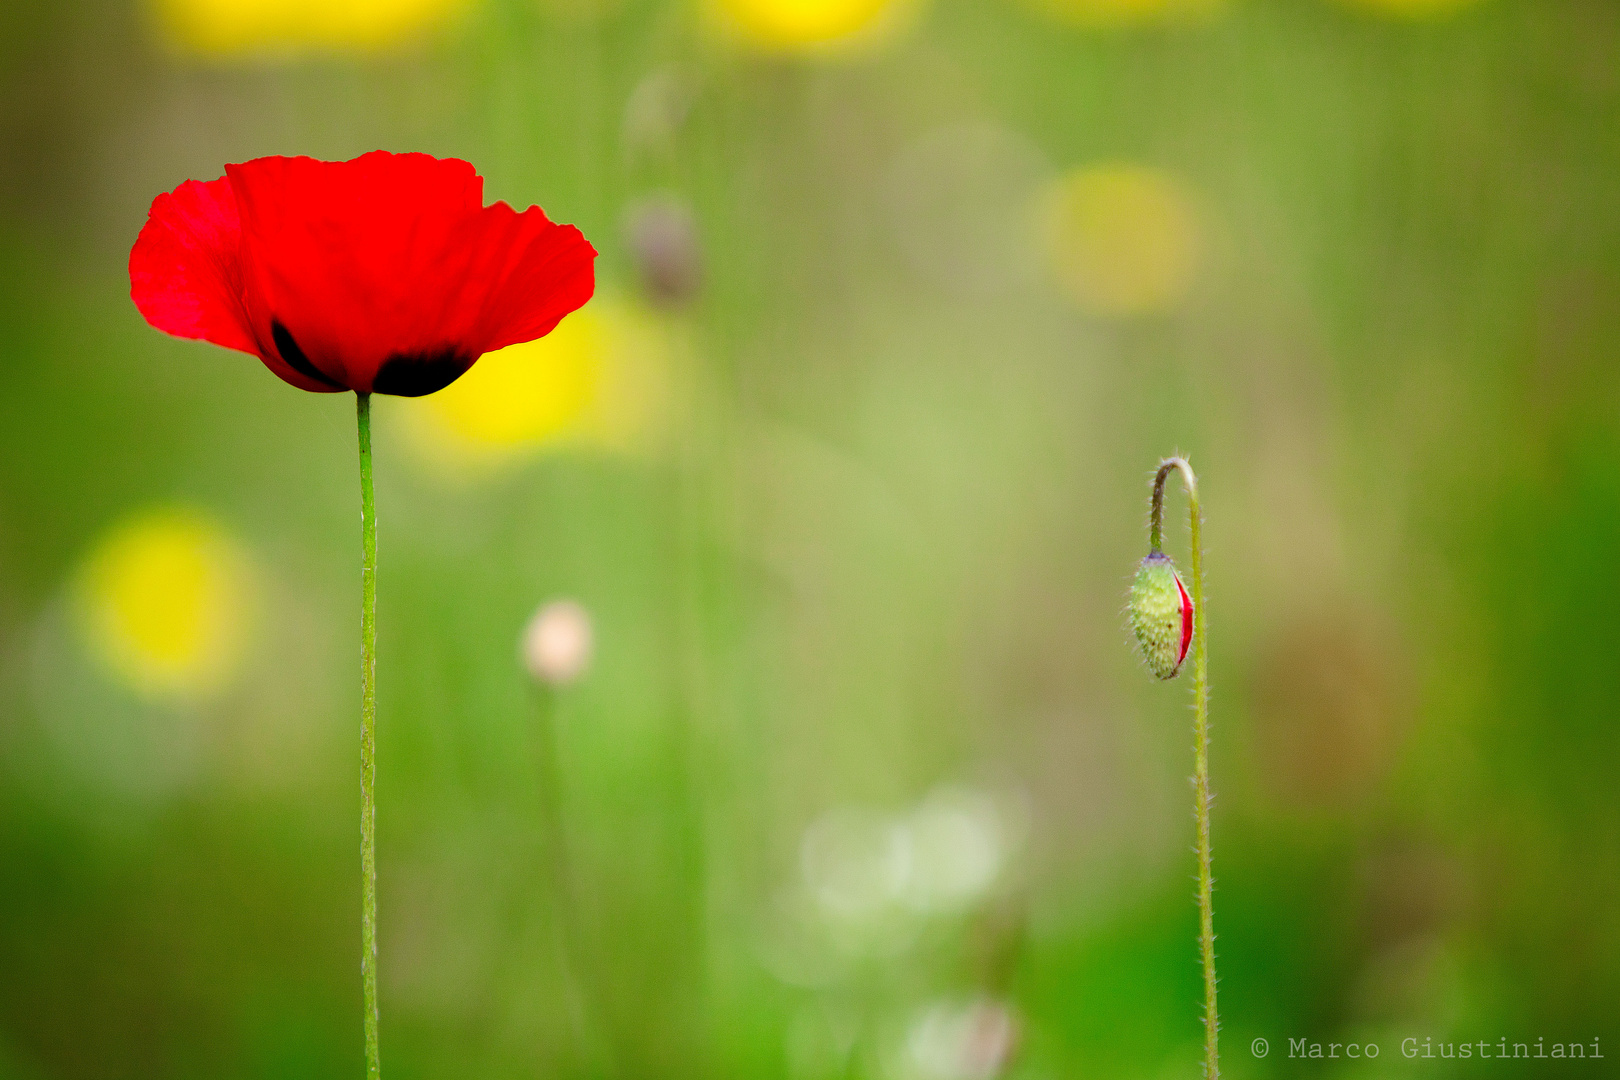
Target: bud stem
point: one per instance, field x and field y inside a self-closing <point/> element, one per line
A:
<point x="1201" y="795"/>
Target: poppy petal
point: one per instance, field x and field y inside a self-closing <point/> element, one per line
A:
<point x="355" y="259"/>
<point x="537" y="271"/>
<point x="185" y="275"/>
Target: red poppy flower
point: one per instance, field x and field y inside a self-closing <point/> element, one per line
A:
<point x="386" y="273"/>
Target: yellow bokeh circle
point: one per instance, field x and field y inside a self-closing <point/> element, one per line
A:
<point x="238" y="26"/>
<point x="789" y="25"/>
<point x="1122" y="239"/>
<point x="600" y="378"/>
<point x="165" y="601"/>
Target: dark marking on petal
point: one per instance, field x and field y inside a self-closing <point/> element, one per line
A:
<point x="416" y="374"/>
<point x="295" y="358"/>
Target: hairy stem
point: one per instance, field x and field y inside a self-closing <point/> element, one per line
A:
<point x="1201" y="795"/>
<point x="368" y="737"/>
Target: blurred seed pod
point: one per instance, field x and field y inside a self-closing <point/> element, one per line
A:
<point x="662" y="238"/>
<point x="1161" y="615"/>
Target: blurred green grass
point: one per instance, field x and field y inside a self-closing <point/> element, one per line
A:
<point x="881" y="555"/>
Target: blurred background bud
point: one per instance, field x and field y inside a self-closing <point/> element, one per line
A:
<point x="662" y="238"/>
<point x="558" y="642"/>
<point x="165" y="601"/>
<point x="1123" y="239"/>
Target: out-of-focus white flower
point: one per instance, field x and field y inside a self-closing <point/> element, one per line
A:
<point x="856" y="864"/>
<point x="793" y="943"/>
<point x="557" y="643"/>
<point x="871" y="881"/>
<point x="950" y="1040"/>
<point x="940" y="857"/>
<point x="959" y="842"/>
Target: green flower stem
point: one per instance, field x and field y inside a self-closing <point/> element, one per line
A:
<point x="368" y="737"/>
<point x="1201" y="795"/>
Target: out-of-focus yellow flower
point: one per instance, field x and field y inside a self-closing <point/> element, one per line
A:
<point x="235" y="26"/>
<point x="600" y="378"/>
<point x="1123" y="239"/>
<point x="799" y="25"/>
<point x="165" y="601"/>
<point x="1413" y="9"/>
<point x="1102" y="13"/>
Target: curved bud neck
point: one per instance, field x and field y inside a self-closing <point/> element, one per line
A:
<point x="1156" y="516"/>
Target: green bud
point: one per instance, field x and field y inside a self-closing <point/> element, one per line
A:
<point x="1161" y="615"/>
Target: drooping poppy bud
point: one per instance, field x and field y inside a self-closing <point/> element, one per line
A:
<point x="1161" y="615"/>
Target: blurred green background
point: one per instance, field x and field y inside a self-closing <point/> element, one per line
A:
<point x="846" y="467"/>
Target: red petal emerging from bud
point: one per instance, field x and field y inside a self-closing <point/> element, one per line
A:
<point x="1186" y="621"/>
